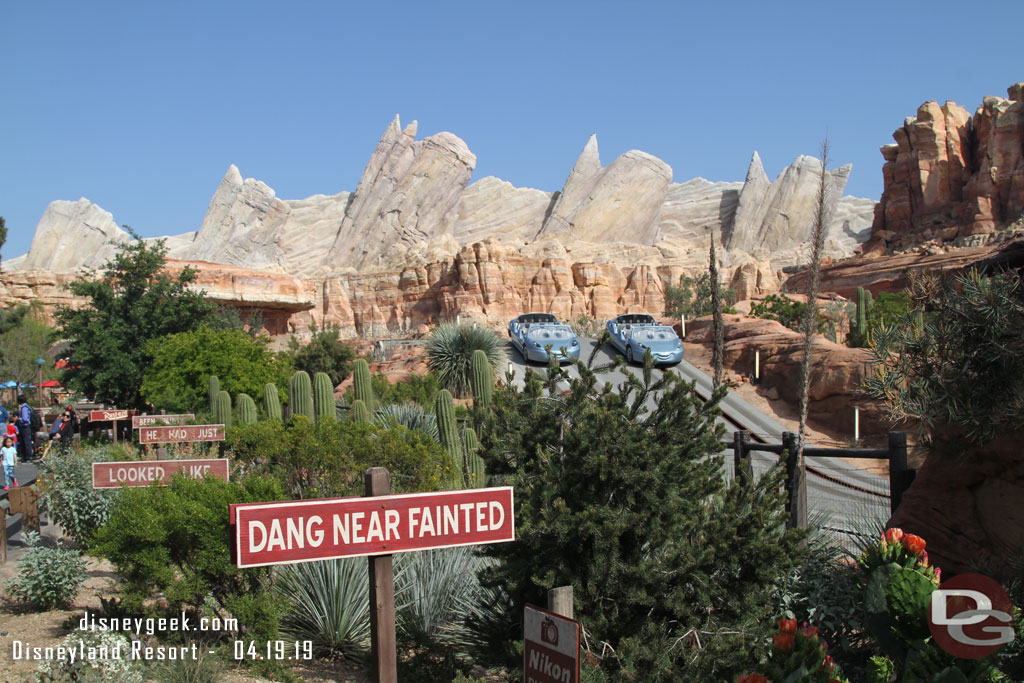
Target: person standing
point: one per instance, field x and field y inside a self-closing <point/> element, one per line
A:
<point x="9" y="458"/>
<point x="25" y="436"/>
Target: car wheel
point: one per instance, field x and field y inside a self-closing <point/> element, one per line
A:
<point x="629" y="353"/>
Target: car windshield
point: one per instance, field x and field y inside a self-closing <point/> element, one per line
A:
<point x="636" y="319"/>
<point x="655" y="334"/>
<point x="554" y="333"/>
<point x="532" y="318"/>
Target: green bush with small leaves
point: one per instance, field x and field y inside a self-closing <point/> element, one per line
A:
<point x="67" y="497"/>
<point x="120" y="669"/>
<point x="48" y="578"/>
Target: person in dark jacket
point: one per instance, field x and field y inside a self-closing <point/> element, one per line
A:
<point x="26" y="445"/>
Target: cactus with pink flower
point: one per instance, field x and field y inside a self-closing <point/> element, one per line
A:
<point x="797" y="654"/>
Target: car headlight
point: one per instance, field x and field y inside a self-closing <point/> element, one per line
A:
<point x="575" y="342"/>
<point x="535" y="345"/>
<point x="642" y="346"/>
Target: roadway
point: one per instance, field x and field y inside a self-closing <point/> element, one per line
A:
<point x="840" y="496"/>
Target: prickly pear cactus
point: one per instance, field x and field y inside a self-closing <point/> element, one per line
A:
<point x="481" y="379"/>
<point x="300" y="395"/>
<point x="271" y="401"/>
<point x="358" y="412"/>
<point x="222" y="408"/>
<point x="361" y="383"/>
<point x="246" y="408"/>
<point x="214" y="389"/>
<point x="323" y="398"/>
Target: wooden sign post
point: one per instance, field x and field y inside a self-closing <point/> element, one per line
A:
<point x="375" y="526"/>
<point x="149" y="420"/>
<point x="110" y="416"/>
<point x="24" y="501"/>
<point x="112" y="475"/>
<point x="186" y="434"/>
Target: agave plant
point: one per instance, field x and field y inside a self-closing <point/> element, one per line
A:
<point x="327" y="605"/>
<point x="409" y="415"/>
<point x="450" y="353"/>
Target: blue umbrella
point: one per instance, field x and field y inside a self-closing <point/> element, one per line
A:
<point x="9" y="385"/>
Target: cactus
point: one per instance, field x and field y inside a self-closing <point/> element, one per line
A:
<point x="214" y="389"/>
<point x="358" y="412"/>
<point x="482" y="380"/>
<point x="323" y="398"/>
<point x="868" y="303"/>
<point x="475" y="475"/>
<point x="271" y="402"/>
<point x="361" y="383"/>
<point x="222" y="408"/>
<point x="919" y="321"/>
<point x="469" y="441"/>
<point x="448" y="433"/>
<point x="300" y="395"/>
<point x="246" y="408"/>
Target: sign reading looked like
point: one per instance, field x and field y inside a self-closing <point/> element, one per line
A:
<point x="109" y="415"/>
<point x="551" y="647"/>
<point x="181" y="434"/>
<point x="304" y="531"/>
<point x="147" y="420"/>
<point x="107" y="475"/>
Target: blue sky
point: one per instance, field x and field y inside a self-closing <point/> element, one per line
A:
<point x="141" y="107"/>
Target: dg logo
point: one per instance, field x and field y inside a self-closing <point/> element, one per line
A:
<point x="970" y="616"/>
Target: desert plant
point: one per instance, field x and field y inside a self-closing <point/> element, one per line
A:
<point x="798" y="654"/>
<point x="357" y="412"/>
<point x="718" y="352"/>
<point x="327" y="605"/>
<point x="222" y="409"/>
<point x="48" y="578"/>
<point x="214" y="389"/>
<point x="300" y="395"/>
<point x="450" y="352"/>
<point x="120" y="669"/>
<point x="410" y="416"/>
<point x="325" y="352"/>
<point x="246" y="408"/>
<point x="419" y="389"/>
<point x="475" y="474"/>
<point x="271" y="401"/>
<point x="67" y="497"/>
<point x="692" y="297"/>
<point x="323" y="398"/>
<point x="362" y="384"/>
<point x="433" y="585"/>
<point x="482" y="380"/>
<point x="448" y="431"/>
<point x="781" y="308"/>
<point x="203" y="668"/>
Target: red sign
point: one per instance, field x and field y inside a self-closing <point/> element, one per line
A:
<point x="551" y="647"/>
<point x="308" y="530"/>
<point x="147" y="420"/>
<point x="108" y="475"/>
<point x="109" y="415"/>
<point x="181" y="434"/>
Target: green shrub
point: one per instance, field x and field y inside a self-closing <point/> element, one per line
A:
<point x="97" y="670"/>
<point x="174" y="540"/>
<point x="48" y="578"/>
<point x="692" y="297"/>
<point x="410" y="416"/>
<point x="888" y="310"/>
<point x="325" y="352"/>
<point x="66" y="494"/>
<point x="204" y="668"/>
<point x="450" y="352"/>
<point x="419" y="389"/>
<point x="784" y="310"/>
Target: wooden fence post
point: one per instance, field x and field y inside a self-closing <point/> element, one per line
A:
<point x="796" y="484"/>
<point x="3" y="536"/>
<point x="24" y="501"/>
<point x="740" y="460"/>
<point x="560" y="601"/>
<point x="900" y="474"/>
<point x="382" y="594"/>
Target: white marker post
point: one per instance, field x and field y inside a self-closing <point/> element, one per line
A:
<point x="856" y="423"/>
<point x="757" y="366"/>
<point x="682" y="326"/>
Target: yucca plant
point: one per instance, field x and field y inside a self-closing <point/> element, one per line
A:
<point x="410" y="416"/>
<point x="327" y="605"/>
<point x="436" y="586"/>
<point x="450" y="353"/>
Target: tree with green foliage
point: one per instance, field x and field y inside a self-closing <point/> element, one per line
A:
<point x="962" y="372"/>
<point x="628" y="505"/>
<point x="3" y="232"/>
<point x="693" y="297"/>
<point x="887" y="310"/>
<point x="325" y="352"/>
<point x="782" y="309"/>
<point x="130" y="302"/>
<point x="22" y="344"/>
<point x="178" y="375"/>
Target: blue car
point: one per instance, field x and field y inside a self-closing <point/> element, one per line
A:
<point x="633" y="333"/>
<point x="532" y="333"/>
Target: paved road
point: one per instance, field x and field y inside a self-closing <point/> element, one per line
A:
<point x="830" y="503"/>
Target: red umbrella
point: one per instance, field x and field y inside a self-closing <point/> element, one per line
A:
<point x="50" y="383"/>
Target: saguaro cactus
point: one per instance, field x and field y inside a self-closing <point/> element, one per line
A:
<point x="300" y="395"/>
<point x="482" y="380"/>
<point x="222" y="408"/>
<point x="358" y="412"/>
<point x="475" y="475"/>
<point x="271" y="401"/>
<point x="361" y="383"/>
<point x="246" y="409"/>
<point x="214" y="388"/>
<point x="448" y="432"/>
<point x="323" y="398"/>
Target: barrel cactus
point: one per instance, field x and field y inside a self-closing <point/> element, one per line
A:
<point x="214" y="389"/>
<point x="300" y="395"/>
<point x="246" y="408"/>
<point x="323" y="398"/>
<point x="358" y="412"/>
<point x="482" y="379"/>
<point x="222" y="408"/>
<point x="271" y="401"/>
<point x="361" y="383"/>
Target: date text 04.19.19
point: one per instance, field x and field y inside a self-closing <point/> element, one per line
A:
<point x="276" y="650"/>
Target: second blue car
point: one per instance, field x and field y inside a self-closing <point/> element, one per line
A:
<point x="634" y="333"/>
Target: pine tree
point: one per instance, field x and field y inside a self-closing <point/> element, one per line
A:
<point x="718" y="352"/>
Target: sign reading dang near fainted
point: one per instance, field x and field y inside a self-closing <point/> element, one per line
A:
<point x="108" y="475"/>
<point x="308" y="530"/>
<point x="181" y="434"/>
<point x="551" y="647"/>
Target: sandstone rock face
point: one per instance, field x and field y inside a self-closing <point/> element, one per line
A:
<point x="695" y="209"/>
<point x="409" y="193"/>
<point x="59" y="249"/>
<point x="620" y="203"/>
<point x="494" y="208"/>
<point x="951" y="175"/>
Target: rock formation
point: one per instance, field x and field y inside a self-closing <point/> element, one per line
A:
<point x="950" y="175"/>
<point x="72" y="235"/>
